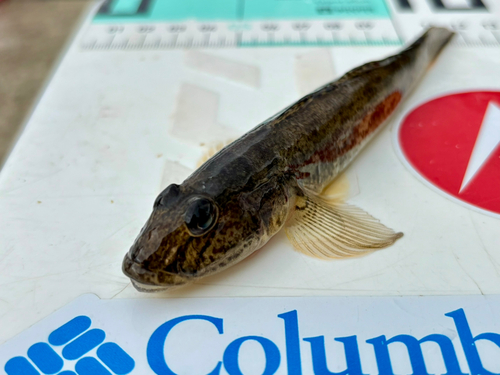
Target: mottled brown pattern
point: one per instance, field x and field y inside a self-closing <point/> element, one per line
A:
<point x="254" y="182"/>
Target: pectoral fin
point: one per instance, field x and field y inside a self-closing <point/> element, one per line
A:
<point x="334" y="229"/>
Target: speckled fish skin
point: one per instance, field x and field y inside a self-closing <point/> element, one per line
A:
<point x="254" y="182"/>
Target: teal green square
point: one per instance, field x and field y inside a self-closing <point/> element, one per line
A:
<point x="172" y="10"/>
<point x="237" y="10"/>
<point x="208" y="10"/>
<point x="124" y="6"/>
<point x="323" y="9"/>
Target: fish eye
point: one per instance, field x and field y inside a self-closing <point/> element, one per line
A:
<point x="200" y="216"/>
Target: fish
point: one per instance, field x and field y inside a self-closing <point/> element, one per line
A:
<point x="274" y="176"/>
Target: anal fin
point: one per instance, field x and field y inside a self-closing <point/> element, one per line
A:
<point x="334" y="229"/>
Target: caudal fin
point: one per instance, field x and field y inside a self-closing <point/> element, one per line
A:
<point x="428" y="46"/>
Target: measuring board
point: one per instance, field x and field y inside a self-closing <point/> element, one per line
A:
<point x="137" y="100"/>
<point x="164" y="24"/>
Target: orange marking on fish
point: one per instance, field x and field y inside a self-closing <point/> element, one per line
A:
<point x="377" y="116"/>
<point x="367" y="125"/>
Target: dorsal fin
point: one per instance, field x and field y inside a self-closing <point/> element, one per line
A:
<point x="212" y="150"/>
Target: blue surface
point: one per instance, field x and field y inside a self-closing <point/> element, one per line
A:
<point x="115" y="358"/>
<point x="70" y="330"/>
<point x="20" y="366"/>
<point x="83" y="344"/>
<point x="67" y="373"/>
<point x="90" y="366"/>
<point x="45" y="358"/>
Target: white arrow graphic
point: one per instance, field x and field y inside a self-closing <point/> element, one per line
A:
<point x="486" y="142"/>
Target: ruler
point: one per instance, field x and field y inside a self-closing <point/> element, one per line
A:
<point x="170" y="24"/>
<point x="137" y="24"/>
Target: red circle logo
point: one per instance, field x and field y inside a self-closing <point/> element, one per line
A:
<point x="453" y="142"/>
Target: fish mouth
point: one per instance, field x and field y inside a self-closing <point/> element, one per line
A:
<point x="147" y="281"/>
<point x="147" y="288"/>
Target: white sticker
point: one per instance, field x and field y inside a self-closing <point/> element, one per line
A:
<point x="293" y="336"/>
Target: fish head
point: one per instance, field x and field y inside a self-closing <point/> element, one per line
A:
<point x="190" y="235"/>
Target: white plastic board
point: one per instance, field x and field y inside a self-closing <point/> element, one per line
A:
<point x="113" y="128"/>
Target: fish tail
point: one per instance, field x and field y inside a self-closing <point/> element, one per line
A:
<point x="427" y="47"/>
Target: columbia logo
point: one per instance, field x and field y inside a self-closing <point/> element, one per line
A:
<point x="64" y="354"/>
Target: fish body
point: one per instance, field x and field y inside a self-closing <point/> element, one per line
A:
<point x="273" y="177"/>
